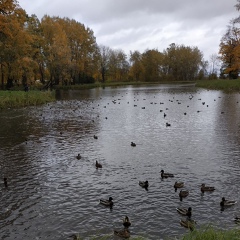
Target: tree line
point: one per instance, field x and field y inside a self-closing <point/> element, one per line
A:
<point x="64" y="51"/>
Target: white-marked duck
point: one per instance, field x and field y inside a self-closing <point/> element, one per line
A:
<point x="185" y="212"/>
<point x="227" y="203"/>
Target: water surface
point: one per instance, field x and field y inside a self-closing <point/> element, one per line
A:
<point x="52" y="195"/>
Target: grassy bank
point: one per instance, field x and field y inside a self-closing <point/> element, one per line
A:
<point x="220" y="84"/>
<point x="16" y="99"/>
<point x="205" y="233"/>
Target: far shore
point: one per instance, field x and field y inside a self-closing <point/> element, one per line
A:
<point x="18" y="98"/>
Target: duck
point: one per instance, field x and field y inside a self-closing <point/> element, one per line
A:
<point x="126" y="222"/>
<point x="166" y="175"/>
<point x="133" y="144"/>
<point x="98" y="165"/>
<point x="168" y="125"/>
<point x="205" y="188"/>
<point x="227" y="203"/>
<point x="183" y="194"/>
<point x="107" y="202"/>
<point x="5" y="182"/>
<point x="237" y="219"/>
<point x="78" y="156"/>
<point x="178" y="185"/>
<point x="124" y="233"/>
<point x="185" y="212"/>
<point x="95" y="137"/>
<point x="144" y="184"/>
<point x="188" y="223"/>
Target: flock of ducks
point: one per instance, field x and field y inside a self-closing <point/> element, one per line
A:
<point x="188" y="222"/>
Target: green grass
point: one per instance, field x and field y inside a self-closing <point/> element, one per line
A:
<point x="211" y="233"/>
<point x="220" y="84"/>
<point x="17" y="99"/>
<point x="204" y="233"/>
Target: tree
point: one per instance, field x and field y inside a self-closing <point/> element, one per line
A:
<point x="7" y="6"/>
<point x="104" y="53"/>
<point x="183" y="62"/>
<point x="136" y="69"/>
<point x="230" y="48"/>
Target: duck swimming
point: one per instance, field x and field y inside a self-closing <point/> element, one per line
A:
<point x="185" y="212"/>
<point x="183" y="194"/>
<point x="108" y="203"/>
<point x="122" y="233"/>
<point x="227" y="203"/>
<point x="126" y="222"/>
<point x="205" y="188"/>
<point x="78" y="156"/>
<point x="144" y="184"/>
<point x="178" y="185"/>
<point x="98" y="165"/>
<point x="166" y="175"/>
<point x="133" y="144"/>
<point x="188" y="224"/>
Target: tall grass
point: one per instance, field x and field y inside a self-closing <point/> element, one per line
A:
<point x="220" y="84"/>
<point x="17" y="99"/>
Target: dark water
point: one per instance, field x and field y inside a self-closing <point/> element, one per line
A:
<point x="52" y="195"/>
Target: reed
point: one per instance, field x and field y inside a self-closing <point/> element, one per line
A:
<point x="220" y="84"/>
<point x="17" y="99"/>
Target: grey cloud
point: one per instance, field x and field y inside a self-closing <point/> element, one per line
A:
<point x="141" y="24"/>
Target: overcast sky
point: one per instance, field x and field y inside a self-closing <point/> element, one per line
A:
<point x="145" y="24"/>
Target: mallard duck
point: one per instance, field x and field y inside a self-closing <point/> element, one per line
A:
<point x="126" y="222"/>
<point x="188" y="223"/>
<point x="124" y="233"/>
<point x="133" y="144"/>
<point x="183" y="194"/>
<point x="144" y="184"/>
<point x="166" y="175"/>
<point x="205" y="188"/>
<point x="95" y="137"/>
<point x="227" y="203"/>
<point x="107" y="202"/>
<point x="178" y="185"/>
<point x="78" y="156"/>
<point x="98" y="165"/>
<point x="185" y="212"/>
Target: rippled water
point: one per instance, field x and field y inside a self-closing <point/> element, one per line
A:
<point x="52" y="195"/>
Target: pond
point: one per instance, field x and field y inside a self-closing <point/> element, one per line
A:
<point x="52" y="195"/>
